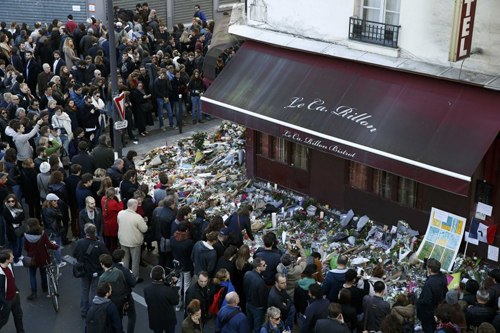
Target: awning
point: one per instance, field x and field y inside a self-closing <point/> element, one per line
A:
<point x="433" y="131"/>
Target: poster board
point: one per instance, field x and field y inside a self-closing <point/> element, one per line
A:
<point x="443" y="238"/>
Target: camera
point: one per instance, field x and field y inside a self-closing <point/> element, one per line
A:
<point x="173" y="272"/>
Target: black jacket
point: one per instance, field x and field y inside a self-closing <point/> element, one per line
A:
<point x="163" y="217"/>
<point x="127" y="189"/>
<point x="433" y="293"/>
<point x="162" y="88"/>
<point x="202" y="295"/>
<point x="98" y="221"/>
<point x="104" y="157"/>
<point x="71" y="184"/>
<point x="4" y="192"/>
<point x="316" y="310"/>
<point x="272" y="260"/>
<point x="255" y="289"/>
<point x="30" y="192"/>
<point x="129" y="276"/>
<point x="3" y="301"/>
<point x="279" y="299"/>
<point x="52" y="221"/>
<point x="91" y="262"/>
<point x="181" y="251"/>
<point x="12" y="223"/>
<point x="376" y="309"/>
<point x="161" y="300"/>
<point x="86" y="161"/>
<point x="115" y="174"/>
<point x="330" y="325"/>
<point x="357" y="295"/>
<point x="478" y="314"/>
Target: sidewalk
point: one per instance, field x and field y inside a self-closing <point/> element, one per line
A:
<point x="157" y="138"/>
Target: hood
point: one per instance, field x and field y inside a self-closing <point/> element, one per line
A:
<point x="181" y="235"/>
<point x="111" y="275"/>
<point x="57" y="186"/>
<point x="32" y="238"/>
<point x="405" y="311"/>
<point x="338" y="271"/>
<point x="305" y="283"/>
<point x="205" y="247"/>
<point x="100" y="300"/>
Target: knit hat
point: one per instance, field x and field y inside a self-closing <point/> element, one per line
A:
<point x="451" y="297"/>
<point x="52" y="196"/>
<point x="44" y="167"/>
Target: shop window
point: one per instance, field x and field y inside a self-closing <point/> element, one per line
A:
<point x="263" y="144"/>
<point x="280" y="151"/>
<point x="382" y="183"/>
<point x="358" y="176"/>
<point x="383" y="11"/>
<point x="407" y="192"/>
<point x="298" y="154"/>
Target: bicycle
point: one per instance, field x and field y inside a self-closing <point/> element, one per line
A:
<point x="52" y="271"/>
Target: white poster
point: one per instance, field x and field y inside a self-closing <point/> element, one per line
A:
<point x="443" y="238"/>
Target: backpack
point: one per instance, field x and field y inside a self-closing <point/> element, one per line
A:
<point x="120" y="293"/>
<point x="97" y="319"/>
<point x="218" y="299"/>
<point x="408" y="326"/>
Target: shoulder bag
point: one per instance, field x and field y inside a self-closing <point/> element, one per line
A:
<point x="30" y="262"/>
<point x="79" y="267"/>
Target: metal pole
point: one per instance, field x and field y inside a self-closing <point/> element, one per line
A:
<point x="117" y="137"/>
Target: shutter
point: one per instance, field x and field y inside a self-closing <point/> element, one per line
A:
<point x="184" y="10"/>
<point x="31" y="11"/>
<point x="159" y="5"/>
<point x="228" y="2"/>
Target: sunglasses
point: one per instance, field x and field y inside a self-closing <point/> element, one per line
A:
<point x="277" y="318"/>
<point x="9" y="201"/>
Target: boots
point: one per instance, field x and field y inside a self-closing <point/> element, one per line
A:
<point x="32" y="296"/>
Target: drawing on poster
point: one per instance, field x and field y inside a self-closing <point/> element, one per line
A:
<point x="426" y="250"/>
<point x="447" y="258"/>
<point x="443" y="238"/>
<point x="446" y="225"/>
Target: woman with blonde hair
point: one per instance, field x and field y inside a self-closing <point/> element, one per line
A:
<point x="52" y="222"/>
<point x="185" y="41"/>
<point x="222" y="280"/>
<point x="192" y="323"/>
<point x="69" y="54"/>
<point x="111" y="206"/>
<point x="13" y="215"/>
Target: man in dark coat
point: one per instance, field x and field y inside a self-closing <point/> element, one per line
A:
<point x="91" y="214"/>
<point x="161" y="300"/>
<point x="334" y="322"/>
<point x="433" y="293"/>
<point x="83" y="190"/>
<point x="334" y="280"/>
<point x="31" y="73"/>
<point x="201" y="292"/>
<point x="204" y="256"/>
<point x="104" y="156"/>
<point x="118" y="256"/>
<point x="317" y="308"/>
<point x="87" y="251"/>
<point x="480" y="313"/>
<point x="279" y="298"/>
<point x="257" y="294"/>
<point x="163" y="217"/>
<point x="72" y="184"/>
<point x="4" y="192"/>
<point x="84" y="159"/>
<point x="115" y="172"/>
<point x="375" y="308"/>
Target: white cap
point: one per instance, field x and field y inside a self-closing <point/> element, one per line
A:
<point x="52" y="196"/>
<point x="44" y="167"/>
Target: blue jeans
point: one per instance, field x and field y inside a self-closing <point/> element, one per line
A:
<point x="58" y="251"/>
<point x="88" y="284"/>
<point x="291" y="316"/>
<point x="161" y="103"/>
<point x="17" y="248"/>
<point x="195" y="100"/>
<point x="18" y="191"/>
<point x="178" y="108"/>
<point x="43" y="275"/>
<point x="255" y="317"/>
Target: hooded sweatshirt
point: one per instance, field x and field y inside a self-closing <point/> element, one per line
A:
<point x="334" y="280"/>
<point x="204" y="258"/>
<point x="112" y="316"/>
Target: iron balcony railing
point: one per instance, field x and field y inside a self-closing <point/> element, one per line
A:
<point x="374" y="32"/>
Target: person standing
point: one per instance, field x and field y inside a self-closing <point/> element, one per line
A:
<point x="204" y="256"/>
<point x="193" y="322"/>
<point x="161" y="300"/>
<point x="334" y="280"/>
<point x="52" y="222"/>
<point x="163" y="217"/>
<point x="87" y="251"/>
<point x="279" y="298"/>
<point x="71" y="184"/>
<point x="91" y="214"/>
<point x="111" y="206"/>
<point x="271" y="257"/>
<point x="14" y="218"/>
<point x="115" y="277"/>
<point x="4" y="192"/>
<point x="375" y="308"/>
<point x="162" y="90"/>
<point x="118" y="256"/>
<point x="101" y="300"/>
<point x="103" y="154"/>
<point x="317" y="309"/>
<point x="182" y="246"/>
<point x="257" y="294"/>
<point x="199" y="14"/>
<point x="230" y="318"/>
<point x="334" y="322"/>
<point x="433" y="293"/>
<point x="9" y="293"/>
<point x="201" y="292"/>
<point x="131" y="229"/>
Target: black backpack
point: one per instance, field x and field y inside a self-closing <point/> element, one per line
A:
<point x="408" y="326"/>
<point x="120" y="293"/>
<point x="97" y="320"/>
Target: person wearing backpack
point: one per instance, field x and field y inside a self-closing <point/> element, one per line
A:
<point x="87" y="251"/>
<point x="114" y="276"/>
<point x="230" y="318"/>
<point x="103" y="315"/>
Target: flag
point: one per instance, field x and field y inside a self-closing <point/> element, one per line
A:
<point x="454" y="282"/>
<point x="491" y="232"/>
<point x="474" y="225"/>
<point x="482" y="232"/>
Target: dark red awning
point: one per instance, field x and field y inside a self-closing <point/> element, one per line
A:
<point x="433" y="131"/>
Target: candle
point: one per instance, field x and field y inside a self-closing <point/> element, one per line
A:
<point x="321" y="214"/>
<point x="282" y="210"/>
<point x="268" y="185"/>
<point x="273" y="216"/>
<point x="275" y="186"/>
<point x="327" y="206"/>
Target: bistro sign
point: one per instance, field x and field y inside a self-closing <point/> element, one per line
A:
<point x="345" y="112"/>
<point x="317" y="143"/>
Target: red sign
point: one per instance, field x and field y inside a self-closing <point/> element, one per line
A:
<point x="120" y="104"/>
<point x="463" y="26"/>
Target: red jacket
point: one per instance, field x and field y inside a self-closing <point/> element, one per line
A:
<point x="110" y="219"/>
<point x="41" y="255"/>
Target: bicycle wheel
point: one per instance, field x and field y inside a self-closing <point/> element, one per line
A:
<point x="56" y="266"/>
<point x="53" y="289"/>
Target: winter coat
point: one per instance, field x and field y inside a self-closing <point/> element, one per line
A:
<point x="268" y="328"/>
<point x="238" y="324"/>
<point x="71" y="184"/>
<point x="86" y="161"/>
<point x="83" y="219"/>
<point x="111" y="218"/>
<point x="52" y="221"/>
<point x="82" y="192"/>
<point x="182" y="246"/>
<point x="161" y="300"/>
<point x="293" y="273"/>
<point x="255" y="289"/>
<point x="131" y="228"/>
<point x="477" y="314"/>
<point x="31" y="194"/>
<point x="376" y="309"/>
<point x="280" y="300"/>
<point x="36" y="247"/>
<point x="103" y="156"/>
<point x="115" y="174"/>
<point x="202" y="295"/>
<point x="330" y="325"/>
<point x="334" y="280"/>
<point x="3" y="286"/>
<point x="113" y="319"/>
<point x="404" y="312"/>
<point x="301" y="295"/>
<point x="204" y="258"/>
<point x="188" y="326"/>
<point x="316" y="310"/>
<point x="91" y="263"/>
<point x="12" y="223"/>
<point x="433" y="293"/>
<point x="272" y="260"/>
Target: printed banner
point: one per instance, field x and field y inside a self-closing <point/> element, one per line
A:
<point x="443" y="238"/>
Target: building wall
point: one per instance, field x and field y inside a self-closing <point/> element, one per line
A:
<point x="425" y="27"/>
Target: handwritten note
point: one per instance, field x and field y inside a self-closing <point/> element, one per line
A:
<point x="440" y="215"/>
<point x="484" y="209"/>
<point x="493" y="253"/>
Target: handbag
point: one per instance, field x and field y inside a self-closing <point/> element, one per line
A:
<point x="79" y="267"/>
<point x="30" y="262"/>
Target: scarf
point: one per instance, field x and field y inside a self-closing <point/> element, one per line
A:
<point x="15" y="212"/>
<point x="448" y="325"/>
<point x="90" y="214"/>
<point x="284" y="271"/>
<point x="99" y="103"/>
<point x="63" y="121"/>
<point x="181" y="235"/>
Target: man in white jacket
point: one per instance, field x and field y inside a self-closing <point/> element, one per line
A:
<point x="131" y="229"/>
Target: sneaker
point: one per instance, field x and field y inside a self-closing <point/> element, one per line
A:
<point x="21" y="258"/>
<point x="163" y="129"/>
<point x="136" y="142"/>
<point x="62" y="264"/>
<point x="201" y="121"/>
<point x="173" y="127"/>
<point x="178" y="307"/>
<point x="18" y="264"/>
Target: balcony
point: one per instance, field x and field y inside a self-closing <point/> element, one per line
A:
<point x="374" y="32"/>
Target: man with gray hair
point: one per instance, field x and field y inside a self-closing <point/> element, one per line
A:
<point x="44" y="78"/>
<point x="115" y="172"/>
<point x="131" y="229"/>
<point x="481" y="312"/>
<point x="163" y="217"/>
<point x="230" y="317"/>
<point x="87" y="251"/>
<point x="20" y="113"/>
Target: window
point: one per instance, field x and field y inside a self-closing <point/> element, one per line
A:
<point x="384" y="184"/>
<point x="298" y="154"/>
<point x="280" y="151"/>
<point x="263" y="144"/>
<point x="383" y="11"/>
